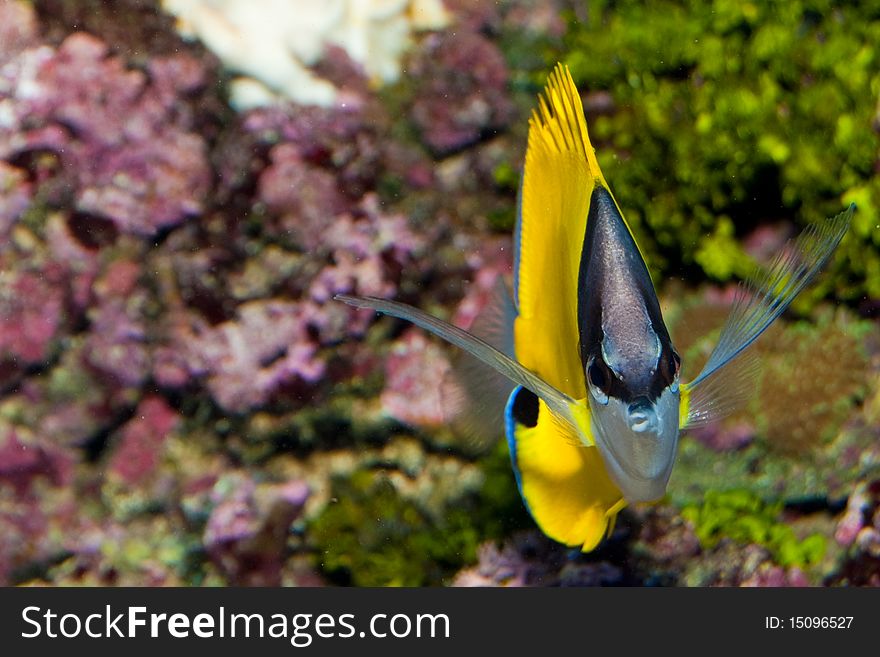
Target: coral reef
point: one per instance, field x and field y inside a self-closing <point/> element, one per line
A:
<point x="136" y="458"/>
<point x="415" y="370"/>
<point x="462" y="90"/>
<point x="858" y="531"/>
<point x="112" y="135"/>
<point x="183" y="403"/>
<point x="111" y="261"/>
<point x="529" y="560"/>
<point x="247" y="530"/>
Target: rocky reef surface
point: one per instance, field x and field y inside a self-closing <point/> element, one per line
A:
<point x="181" y="401"/>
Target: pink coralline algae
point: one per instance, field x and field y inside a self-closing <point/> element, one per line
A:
<point x="771" y="575"/>
<point x="22" y="461"/>
<point x="15" y="196"/>
<point x="247" y="531"/>
<point x="415" y="371"/>
<point x="269" y="343"/>
<point x="530" y="560"/>
<point x="859" y="526"/>
<point x="344" y="141"/>
<point x="125" y="150"/>
<point x="247" y="358"/>
<point x="858" y="531"/>
<point x="462" y="91"/>
<point x="492" y="263"/>
<point x="367" y="251"/>
<point x="137" y="455"/>
<point x="37" y="507"/>
<point x="31" y="305"/>
<point x="301" y="194"/>
<point x="420" y="387"/>
<point x="116" y="344"/>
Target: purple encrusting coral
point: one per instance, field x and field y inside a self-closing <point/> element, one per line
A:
<point x="246" y="358"/>
<point x="247" y="530"/>
<point x="420" y="386"/>
<point x="81" y="127"/>
<point x="180" y="394"/>
<point x="415" y="372"/>
<point x="137" y="455"/>
<point x="270" y="342"/>
<point x="116" y="343"/>
<point x="116" y="280"/>
<point x="463" y="93"/>
<point x="124" y="149"/>
<point x="30" y="313"/>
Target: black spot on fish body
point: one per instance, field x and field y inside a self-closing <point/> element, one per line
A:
<point x="525" y="408"/>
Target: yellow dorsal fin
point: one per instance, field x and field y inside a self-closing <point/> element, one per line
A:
<point x="559" y="124"/>
<point x="560" y="174"/>
<point x="563" y="481"/>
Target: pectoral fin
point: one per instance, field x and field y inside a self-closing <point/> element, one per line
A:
<point x="759" y="302"/>
<point x="559" y="404"/>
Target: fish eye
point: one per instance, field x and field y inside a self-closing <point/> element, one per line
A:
<point x="670" y="364"/>
<point x="598" y="377"/>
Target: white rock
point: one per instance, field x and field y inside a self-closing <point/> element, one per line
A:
<point x="274" y="42"/>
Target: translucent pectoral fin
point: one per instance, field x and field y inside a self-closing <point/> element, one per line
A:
<point x="559" y="403"/>
<point x="726" y="380"/>
<point x="766" y="296"/>
<point x="478" y="392"/>
<point x="724" y="391"/>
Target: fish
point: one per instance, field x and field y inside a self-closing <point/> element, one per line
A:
<point x="595" y="404"/>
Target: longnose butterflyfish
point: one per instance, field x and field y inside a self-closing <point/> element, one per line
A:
<point x="595" y="403"/>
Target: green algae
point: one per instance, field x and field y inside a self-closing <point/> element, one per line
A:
<point x="371" y="535"/>
<point x="744" y="517"/>
<point x="809" y="430"/>
<point x="814" y="376"/>
<point x="732" y="114"/>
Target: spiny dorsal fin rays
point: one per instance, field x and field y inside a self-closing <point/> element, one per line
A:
<point x="764" y="298"/>
<point x="558" y="402"/>
<point x="559" y="122"/>
<point x="558" y="126"/>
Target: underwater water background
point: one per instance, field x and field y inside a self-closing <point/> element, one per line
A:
<point x="183" y="403"/>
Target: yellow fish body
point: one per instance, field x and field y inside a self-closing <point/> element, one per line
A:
<point x="595" y="405"/>
<point x="563" y="481"/>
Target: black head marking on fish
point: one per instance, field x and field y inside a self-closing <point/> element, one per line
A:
<point x="625" y="347"/>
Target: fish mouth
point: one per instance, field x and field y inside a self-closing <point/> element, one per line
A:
<point x="637" y="442"/>
<point x="643" y="417"/>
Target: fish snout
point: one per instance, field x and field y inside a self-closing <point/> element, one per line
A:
<point x="643" y="416"/>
